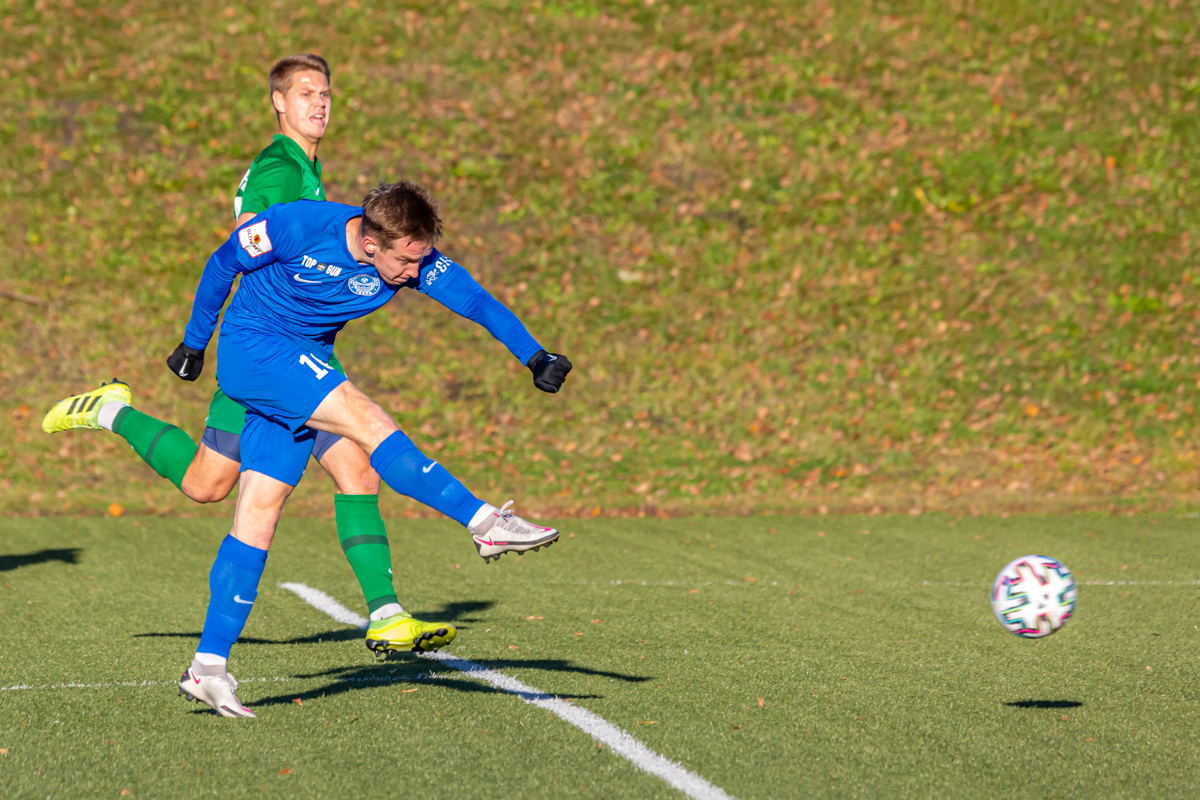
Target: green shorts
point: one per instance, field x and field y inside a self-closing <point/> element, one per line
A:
<point x="227" y="415"/>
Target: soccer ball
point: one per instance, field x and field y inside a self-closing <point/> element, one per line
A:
<point x="1034" y="596"/>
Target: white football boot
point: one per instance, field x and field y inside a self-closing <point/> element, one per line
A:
<point x="214" y="687"/>
<point x="504" y="532"/>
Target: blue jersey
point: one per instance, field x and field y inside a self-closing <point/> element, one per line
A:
<point x="301" y="282"/>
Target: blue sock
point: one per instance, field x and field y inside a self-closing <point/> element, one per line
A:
<point x="413" y="474"/>
<point x="233" y="584"/>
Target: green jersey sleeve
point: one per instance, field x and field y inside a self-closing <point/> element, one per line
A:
<point x="270" y="181"/>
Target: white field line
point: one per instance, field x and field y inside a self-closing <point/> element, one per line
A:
<point x="323" y="602"/>
<point x="600" y="729"/>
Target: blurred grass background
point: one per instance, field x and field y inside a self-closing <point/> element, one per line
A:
<point x="806" y="257"/>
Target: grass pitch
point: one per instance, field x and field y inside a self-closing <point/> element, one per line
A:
<point x="770" y="659"/>
<point x="885" y="254"/>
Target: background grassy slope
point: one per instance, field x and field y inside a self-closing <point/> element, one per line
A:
<point x="877" y="256"/>
<point x="881" y="669"/>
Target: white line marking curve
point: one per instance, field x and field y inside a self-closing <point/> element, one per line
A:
<point x="600" y="729"/>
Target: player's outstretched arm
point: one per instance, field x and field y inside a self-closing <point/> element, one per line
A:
<point x="455" y="288"/>
<point x="248" y="248"/>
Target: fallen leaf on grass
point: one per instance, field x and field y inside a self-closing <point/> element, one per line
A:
<point x="408" y="691"/>
<point x="512" y="647"/>
<point x="297" y="701"/>
<point x="693" y="591"/>
<point x="125" y="792"/>
<point x="115" y="509"/>
<point x="285" y="771"/>
<point x="1089" y="739"/>
<point x="3" y="750"/>
<point x="577" y="633"/>
<point x="761" y="702"/>
<point x="736" y="728"/>
<point x="649" y="722"/>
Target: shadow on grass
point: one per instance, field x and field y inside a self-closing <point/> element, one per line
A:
<point x="420" y="674"/>
<point x="455" y="612"/>
<point x="1045" y="704"/>
<point x="68" y="555"/>
<point x="339" y="635"/>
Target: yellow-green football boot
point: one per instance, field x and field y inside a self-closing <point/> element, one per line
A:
<point x="83" y="410"/>
<point x="402" y="632"/>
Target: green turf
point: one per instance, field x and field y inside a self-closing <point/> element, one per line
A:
<point x="881" y="670"/>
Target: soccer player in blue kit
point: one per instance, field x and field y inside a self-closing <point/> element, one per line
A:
<point x="307" y="269"/>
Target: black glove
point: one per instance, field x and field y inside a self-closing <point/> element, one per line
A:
<point x="549" y="370"/>
<point x="186" y="362"/>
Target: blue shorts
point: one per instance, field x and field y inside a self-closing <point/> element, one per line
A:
<point x="273" y="450"/>
<point x="280" y="382"/>
<point x="230" y="444"/>
<point x="275" y="377"/>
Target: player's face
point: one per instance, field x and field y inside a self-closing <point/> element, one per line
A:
<point x="306" y="104"/>
<point x="401" y="261"/>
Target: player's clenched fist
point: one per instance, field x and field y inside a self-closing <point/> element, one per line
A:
<point x="549" y="370"/>
<point x="187" y="362"/>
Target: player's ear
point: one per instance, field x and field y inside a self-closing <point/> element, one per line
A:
<point x="277" y="100"/>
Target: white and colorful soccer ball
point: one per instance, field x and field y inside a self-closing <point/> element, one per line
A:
<point x="1033" y="596"/>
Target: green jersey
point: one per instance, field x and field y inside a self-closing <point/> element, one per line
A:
<point x="281" y="173"/>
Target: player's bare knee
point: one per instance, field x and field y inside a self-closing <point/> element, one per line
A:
<point x="362" y="482"/>
<point x="350" y="469"/>
<point x="209" y="491"/>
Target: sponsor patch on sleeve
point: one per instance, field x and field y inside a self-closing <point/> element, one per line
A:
<point x="254" y="239"/>
<point x="439" y="267"/>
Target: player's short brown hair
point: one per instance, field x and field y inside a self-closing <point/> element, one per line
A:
<point x="401" y="210"/>
<point x="280" y="77"/>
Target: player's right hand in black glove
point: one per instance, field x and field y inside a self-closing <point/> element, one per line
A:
<point x="549" y="370"/>
<point x="186" y="362"/>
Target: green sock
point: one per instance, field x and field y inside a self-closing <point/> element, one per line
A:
<point x="364" y="540"/>
<point x="164" y="447"/>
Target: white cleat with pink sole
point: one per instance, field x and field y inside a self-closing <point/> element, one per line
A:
<point x="504" y="532"/>
<point x="214" y="687"/>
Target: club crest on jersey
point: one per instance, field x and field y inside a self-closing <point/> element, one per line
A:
<point x="254" y="239"/>
<point x="364" y="285"/>
<point x="441" y="265"/>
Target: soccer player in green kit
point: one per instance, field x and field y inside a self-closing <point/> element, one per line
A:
<point x="287" y="170"/>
